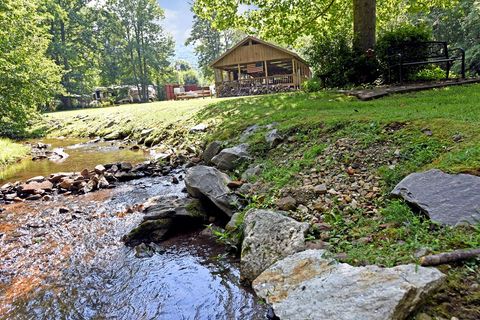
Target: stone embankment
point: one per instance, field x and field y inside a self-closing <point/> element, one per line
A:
<point x="275" y="256"/>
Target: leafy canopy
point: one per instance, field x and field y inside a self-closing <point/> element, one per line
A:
<point x="288" y="20"/>
<point x="27" y="77"/>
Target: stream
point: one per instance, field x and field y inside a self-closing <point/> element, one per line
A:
<point x="63" y="259"/>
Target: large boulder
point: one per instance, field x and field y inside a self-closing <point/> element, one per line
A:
<point x="211" y="151"/>
<point x="162" y="215"/>
<point x="208" y="182"/>
<point x="231" y="158"/>
<point x="308" y="286"/>
<point x="446" y="198"/>
<point x="269" y="237"/>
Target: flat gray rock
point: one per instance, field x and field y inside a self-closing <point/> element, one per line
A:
<point x="208" y="182"/>
<point x="307" y="286"/>
<point x="269" y="237"/>
<point x="449" y="199"/>
<point x="230" y="158"/>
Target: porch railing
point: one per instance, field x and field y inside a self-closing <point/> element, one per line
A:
<point x="287" y="79"/>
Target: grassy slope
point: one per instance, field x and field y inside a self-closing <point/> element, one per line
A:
<point x="11" y="152"/>
<point x="317" y="121"/>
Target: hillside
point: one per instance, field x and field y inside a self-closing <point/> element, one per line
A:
<point x="358" y="151"/>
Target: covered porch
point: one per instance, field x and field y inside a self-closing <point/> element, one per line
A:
<point x="257" y="67"/>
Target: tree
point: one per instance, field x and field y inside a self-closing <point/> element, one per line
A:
<point x="73" y="45"/>
<point x="288" y="20"/>
<point x="210" y="43"/>
<point x="460" y="27"/>
<point x="147" y="46"/>
<point x="28" y="78"/>
<point x="364" y="24"/>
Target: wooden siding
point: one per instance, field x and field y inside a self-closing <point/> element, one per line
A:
<point x="250" y="54"/>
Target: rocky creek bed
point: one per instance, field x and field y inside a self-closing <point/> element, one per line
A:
<point x="277" y="257"/>
<point x="64" y="259"/>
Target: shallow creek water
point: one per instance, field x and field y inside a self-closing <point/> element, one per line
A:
<point x="73" y="265"/>
<point x="82" y="154"/>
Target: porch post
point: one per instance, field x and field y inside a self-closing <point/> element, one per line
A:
<point x="266" y="73"/>
<point x="293" y="73"/>
<point x="239" y="73"/>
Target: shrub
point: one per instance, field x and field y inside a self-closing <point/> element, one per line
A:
<point x="312" y="85"/>
<point x="408" y="34"/>
<point x="336" y="64"/>
<point x="472" y="60"/>
<point x="430" y="73"/>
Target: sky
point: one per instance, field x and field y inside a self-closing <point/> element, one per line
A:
<point x="178" y="22"/>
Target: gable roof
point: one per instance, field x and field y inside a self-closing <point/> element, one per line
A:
<point x="248" y="38"/>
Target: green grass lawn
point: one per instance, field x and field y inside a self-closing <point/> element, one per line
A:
<point x="11" y="152"/>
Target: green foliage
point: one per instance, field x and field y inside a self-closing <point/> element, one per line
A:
<point x="210" y="43"/>
<point x="404" y="34"/>
<point x="11" y="152"/>
<point x="28" y="79"/>
<point x="289" y="20"/>
<point x="430" y="73"/>
<point x="312" y="85"/>
<point x="330" y="59"/>
<point x="189" y="77"/>
<point x="337" y="65"/>
<point x="459" y="25"/>
<point x="146" y="45"/>
<point x="472" y="60"/>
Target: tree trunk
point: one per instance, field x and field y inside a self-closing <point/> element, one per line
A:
<point x="364" y="24"/>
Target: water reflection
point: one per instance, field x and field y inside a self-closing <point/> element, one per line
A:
<point x="81" y="155"/>
<point x="73" y="265"/>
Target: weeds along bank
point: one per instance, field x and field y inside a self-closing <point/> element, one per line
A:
<point x="10" y="152"/>
<point x="335" y="168"/>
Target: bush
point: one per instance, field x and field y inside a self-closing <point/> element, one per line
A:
<point x="472" y="60"/>
<point x="312" y="85"/>
<point x="430" y="73"/>
<point x="405" y="34"/>
<point x="336" y="64"/>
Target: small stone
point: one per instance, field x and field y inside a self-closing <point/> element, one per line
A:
<point x="85" y="173"/>
<point x="350" y="171"/>
<point x="47" y="198"/>
<point x="318" y="245"/>
<point x="235" y="184"/>
<point x="318" y="206"/>
<point x="175" y="180"/>
<point x="63" y="210"/>
<point x="320" y="189"/>
<point x="423" y="316"/>
<point x="195" y="160"/>
<point x="322" y="226"/>
<point x="34" y="197"/>
<point x="66" y="183"/>
<point x="126" y="166"/>
<point x="134" y="148"/>
<point x="100" y="169"/>
<point x="287" y="203"/>
<point x="332" y="192"/>
<point x="38" y="179"/>
<point x="427" y="132"/>
<point x="199" y="128"/>
<point x="302" y="209"/>
<point x="421" y="252"/>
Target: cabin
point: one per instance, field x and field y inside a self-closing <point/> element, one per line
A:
<point x="254" y="66"/>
